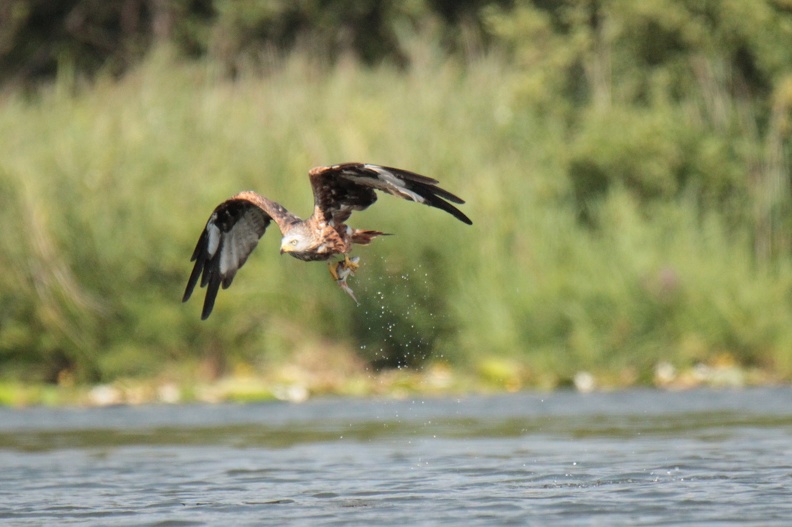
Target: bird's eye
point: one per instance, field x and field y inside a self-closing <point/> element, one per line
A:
<point x="293" y="242"/>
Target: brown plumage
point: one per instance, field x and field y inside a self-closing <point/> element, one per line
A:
<point x="236" y="225"/>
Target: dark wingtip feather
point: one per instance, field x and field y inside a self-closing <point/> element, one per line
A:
<point x="436" y="197"/>
<point x="439" y="203"/>
<point x="211" y="295"/>
<point x="464" y="219"/>
<point x="199" y="247"/>
<point x="193" y="280"/>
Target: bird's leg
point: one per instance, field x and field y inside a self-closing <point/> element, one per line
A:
<point x="331" y="266"/>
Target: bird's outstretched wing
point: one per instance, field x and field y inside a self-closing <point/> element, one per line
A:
<point x="230" y="235"/>
<point x="340" y="189"/>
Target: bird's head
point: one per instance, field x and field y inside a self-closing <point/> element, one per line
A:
<point x="296" y="240"/>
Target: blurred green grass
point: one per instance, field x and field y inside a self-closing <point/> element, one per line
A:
<point x="105" y="188"/>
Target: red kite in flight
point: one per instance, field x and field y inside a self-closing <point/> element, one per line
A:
<point x="237" y="224"/>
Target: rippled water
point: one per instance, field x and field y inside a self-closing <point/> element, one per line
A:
<point x="626" y="458"/>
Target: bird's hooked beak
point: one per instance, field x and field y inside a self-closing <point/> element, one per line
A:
<point x="285" y="248"/>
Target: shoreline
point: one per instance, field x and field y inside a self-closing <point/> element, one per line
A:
<point x="292" y="384"/>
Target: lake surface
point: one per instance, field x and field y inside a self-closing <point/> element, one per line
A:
<point x="626" y="458"/>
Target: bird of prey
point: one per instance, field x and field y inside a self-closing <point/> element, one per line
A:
<point x="236" y="225"/>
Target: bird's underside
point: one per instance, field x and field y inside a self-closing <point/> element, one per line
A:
<point x="236" y="225"/>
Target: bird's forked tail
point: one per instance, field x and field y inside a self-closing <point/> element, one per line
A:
<point x="363" y="237"/>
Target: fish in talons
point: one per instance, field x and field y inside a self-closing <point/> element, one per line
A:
<point x="342" y="270"/>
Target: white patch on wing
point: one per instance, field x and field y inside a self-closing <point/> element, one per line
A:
<point x="387" y="182"/>
<point x="225" y="255"/>
<point x="386" y="176"/>
<point x="214" y="236"/>
<point x="409" y="194"/>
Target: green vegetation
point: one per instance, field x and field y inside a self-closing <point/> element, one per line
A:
<point x="626" y="169"/>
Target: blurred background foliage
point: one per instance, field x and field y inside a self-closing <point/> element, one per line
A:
<point x="626" y="165"/>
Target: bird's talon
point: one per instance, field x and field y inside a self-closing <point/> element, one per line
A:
<point x="351" y="263"/>
<point x="331" y="266"/>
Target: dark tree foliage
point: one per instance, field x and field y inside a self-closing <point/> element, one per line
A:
<point x="665" y="99"/>
<point x="40" y="37"/>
